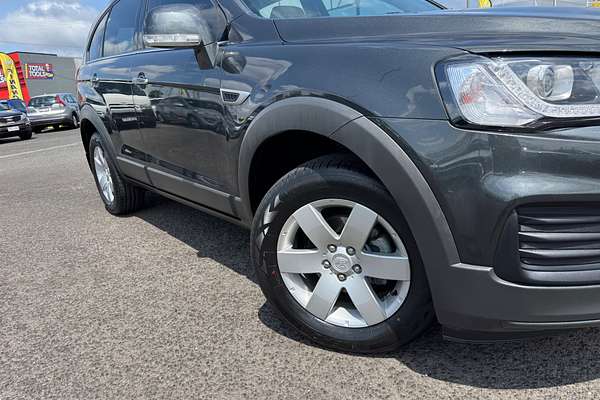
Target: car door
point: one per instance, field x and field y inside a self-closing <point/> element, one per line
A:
<point x="173" y="93"/>
<point x="105" y="79"/>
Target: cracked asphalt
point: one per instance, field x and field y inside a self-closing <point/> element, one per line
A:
<point x="164" y="305"/>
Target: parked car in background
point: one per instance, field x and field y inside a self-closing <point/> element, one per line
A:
<point x="15" y="104"/>
<point x="14" y="123"/>
<point x="53" y="110"/>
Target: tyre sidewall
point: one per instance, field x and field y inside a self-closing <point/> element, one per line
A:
<point x="114" y="207"/>
<point x="415" y="314"/>
<point x="26" y="136"/>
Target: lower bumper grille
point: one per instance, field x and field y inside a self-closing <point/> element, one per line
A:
<point x="559" y="238"/>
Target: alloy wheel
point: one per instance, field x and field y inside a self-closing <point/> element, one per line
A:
<point x="103" y="174"/>
<point x="343" y="263"/>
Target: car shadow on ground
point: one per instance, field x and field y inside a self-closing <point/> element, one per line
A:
<point x="204" y="233"/>
<point x="535" y="363"/>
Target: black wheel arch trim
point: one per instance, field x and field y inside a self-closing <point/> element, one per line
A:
<point x="87" y="113"/>
<point x="302" y="113"/>
<point x="378" y="151"/>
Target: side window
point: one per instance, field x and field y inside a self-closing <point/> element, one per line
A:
<point x="95" y="49"/>
<point x="121" y="28"/>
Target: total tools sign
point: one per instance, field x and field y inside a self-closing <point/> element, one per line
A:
<point x="39" y="71"/>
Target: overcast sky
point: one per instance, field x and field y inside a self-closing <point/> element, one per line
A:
<point x="55" y="26"/>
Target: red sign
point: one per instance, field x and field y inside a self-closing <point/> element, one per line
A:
<point x="39" y="71"/>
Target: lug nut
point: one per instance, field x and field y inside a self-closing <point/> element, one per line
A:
<point x="350" y="251"/>
<point x="326" y="264"/>
<point x="342" y="277"/>
<point x="332" y="248"/>
<point x="357" y="269"/>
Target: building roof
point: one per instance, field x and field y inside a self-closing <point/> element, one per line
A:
<point x="35" y="53"/>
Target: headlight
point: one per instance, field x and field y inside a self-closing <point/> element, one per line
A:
<point x="521" y="92"/>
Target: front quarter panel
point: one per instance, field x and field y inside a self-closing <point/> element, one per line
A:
<point x="379" y="79"/>
<point x="375" y="79"/>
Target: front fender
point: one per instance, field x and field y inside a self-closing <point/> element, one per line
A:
<point x="386" y="158"/>
<point x="312" y="114"/>
<point x="90" y="116"/>
<point x="412" y="194"/>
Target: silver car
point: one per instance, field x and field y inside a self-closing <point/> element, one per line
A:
<point x="53" y="110"/>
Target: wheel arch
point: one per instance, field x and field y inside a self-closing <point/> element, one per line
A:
<point x="313" y="116"/>
<point x="91" y="123"/>
<point x="378" y="151"/>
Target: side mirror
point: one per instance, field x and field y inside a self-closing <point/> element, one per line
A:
<point x="179" y="25"/>
<point x="233" y="62"/>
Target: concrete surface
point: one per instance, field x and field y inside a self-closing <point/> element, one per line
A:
<point x="163" y="304"/>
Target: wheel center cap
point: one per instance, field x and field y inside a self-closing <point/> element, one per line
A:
<point x="341" y="263"/>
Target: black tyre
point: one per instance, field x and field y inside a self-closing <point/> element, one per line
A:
<point x="26" y="135"/>
<point x="74" y="122"/>
<point x="292" y="221"/>
<point x="119" y="197"/>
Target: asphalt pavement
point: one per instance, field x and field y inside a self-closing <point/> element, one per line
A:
<point x="163" y="304"/>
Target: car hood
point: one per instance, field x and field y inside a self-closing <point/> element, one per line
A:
<point x="9" y="113"/>
<point x="479" y="30"/>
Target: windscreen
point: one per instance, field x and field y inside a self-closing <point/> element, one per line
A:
<point x="44" y="101"/>
<point x="337" y="8"/>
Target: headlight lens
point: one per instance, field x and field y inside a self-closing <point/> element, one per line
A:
<point x="523" y="92"/>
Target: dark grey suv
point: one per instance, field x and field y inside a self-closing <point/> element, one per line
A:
<point x="397" y="163"/>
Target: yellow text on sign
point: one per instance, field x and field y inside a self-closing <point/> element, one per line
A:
<point x="11" y="76"/>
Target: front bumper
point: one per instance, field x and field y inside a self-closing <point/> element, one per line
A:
<point x="23" y="128"/>
<point x="476" y="304"/>
<point x="481" y="181"/>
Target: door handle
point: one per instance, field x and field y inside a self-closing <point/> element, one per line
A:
<point x="140" y="79"/>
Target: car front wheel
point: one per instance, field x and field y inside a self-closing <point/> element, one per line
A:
<point x="335" y="257"/>
<point x="74" y="122"/>
<point x="26" y="136"/>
